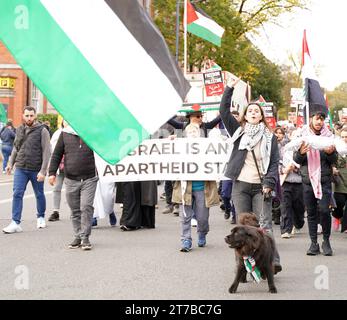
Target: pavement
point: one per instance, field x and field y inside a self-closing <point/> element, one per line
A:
<point x="147" y="265"/>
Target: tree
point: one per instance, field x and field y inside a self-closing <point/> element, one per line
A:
<point x="237" y="54"/>
<point x="255" y="14"/>
<point x="337" y="99"/>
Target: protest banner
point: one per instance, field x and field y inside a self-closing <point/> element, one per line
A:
<point x="164" y="159"/>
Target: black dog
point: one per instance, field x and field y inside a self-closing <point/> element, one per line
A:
<point x="251" y="241"/>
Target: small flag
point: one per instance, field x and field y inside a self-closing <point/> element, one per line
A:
<point x="3" y="114"/>
<point x="261" y="101"/>
<point x="203" y="26"/>
<point x="103" y="65"/>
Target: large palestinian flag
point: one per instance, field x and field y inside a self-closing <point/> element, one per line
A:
<point x="103" y="65"/>
<point x="200" y="24"/>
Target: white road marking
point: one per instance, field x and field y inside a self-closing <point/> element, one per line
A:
<point x="29" y="196"/>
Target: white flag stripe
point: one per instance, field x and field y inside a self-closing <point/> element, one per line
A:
<point x="118" y="58"/>
<point x="209" y="24"/>
<point x="308" y="69"/>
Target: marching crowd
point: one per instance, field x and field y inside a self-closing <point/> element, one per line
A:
<point x="287" y="171"/>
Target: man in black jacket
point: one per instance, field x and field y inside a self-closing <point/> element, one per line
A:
<point x="317" y="190"/>
<point x="80" y="182"/>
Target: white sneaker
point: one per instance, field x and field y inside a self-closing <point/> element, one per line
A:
<point x="285" y="235"/>
<point x="193" y="222"/>
<point x="319" y="229"/>
<point x="41" y="223"/>
<point x="295" y="231"/>
<point x="12" y="228"/>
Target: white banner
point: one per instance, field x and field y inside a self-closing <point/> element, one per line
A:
<point x="163" y="159"/>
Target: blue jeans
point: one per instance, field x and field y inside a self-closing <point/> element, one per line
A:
<point x="227" y="187"/>
<point x="201" y="213"/>
<point x="6" y="152"/>
<point x="21" y="179"/>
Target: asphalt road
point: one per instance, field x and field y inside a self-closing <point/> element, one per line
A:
<point x="147" y="264"/>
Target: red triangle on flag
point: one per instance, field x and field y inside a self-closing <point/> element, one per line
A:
<point x="261" y="99"/>
<point x="191" y="14"/>
<point x="304" y="49"/>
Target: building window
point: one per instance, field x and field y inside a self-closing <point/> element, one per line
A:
<point x="34" y="96"/>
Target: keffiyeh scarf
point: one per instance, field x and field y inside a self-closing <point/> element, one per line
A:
<point x="251" y="135"/>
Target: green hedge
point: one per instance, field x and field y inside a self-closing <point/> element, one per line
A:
<point x="52" y="118"/>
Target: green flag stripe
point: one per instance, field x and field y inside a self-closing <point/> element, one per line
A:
<point x="204" y="33"/>
<point x="3" y="116"/>
<point x="71" y="84"/>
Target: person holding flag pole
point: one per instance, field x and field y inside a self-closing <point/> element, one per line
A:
<point x="315" y="165"/>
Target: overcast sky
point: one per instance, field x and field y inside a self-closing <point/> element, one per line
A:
<point x="326" y="36"/>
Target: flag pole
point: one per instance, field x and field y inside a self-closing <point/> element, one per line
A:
<point x="185" y="38"/>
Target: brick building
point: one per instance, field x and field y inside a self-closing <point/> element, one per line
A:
<point x="17" y="90"/>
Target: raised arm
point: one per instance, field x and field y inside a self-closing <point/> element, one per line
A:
<point x="230" y="123"/>
<point x="176" y="124"/>
<point x="213" y="123"/>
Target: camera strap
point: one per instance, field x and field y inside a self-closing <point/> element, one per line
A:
<point x="261" y="216"/>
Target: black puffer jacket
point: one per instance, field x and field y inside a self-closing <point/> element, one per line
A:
<point x="326" y="162"/>
<point x="79" y="162"/>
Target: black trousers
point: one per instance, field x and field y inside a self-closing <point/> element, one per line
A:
<point x="341" y="208"/>
<point x="292" y="208"/>
<point x="318" y="210"/>
<point x="168" y="188"/>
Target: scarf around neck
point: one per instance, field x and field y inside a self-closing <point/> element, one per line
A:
<point x="313" y="161"/>
<point x="251" y="135"/>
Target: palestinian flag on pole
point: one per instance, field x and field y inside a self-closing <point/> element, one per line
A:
<point x="3" y="115"/>
<point x="103" y="65"/>
<point x="315" y="101"/>
<point x="200" y="24"/>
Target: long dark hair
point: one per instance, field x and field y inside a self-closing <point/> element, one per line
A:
<point x="263" y="119"/>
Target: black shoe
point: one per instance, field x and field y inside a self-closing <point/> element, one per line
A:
<point x="54" y="216"/>
<point x="327" y="251"/>
<point x="233" y="220"/>
<point x="126" y="228"/>
<point x="277" y="219"/>
<point x="75" y="244"/>
<point x="227" y="214"/>
<point x="222" y="207"/>
<point x="313" y="250"/>
<point x="86" y="244"/>
<point x="112" y="219"/>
